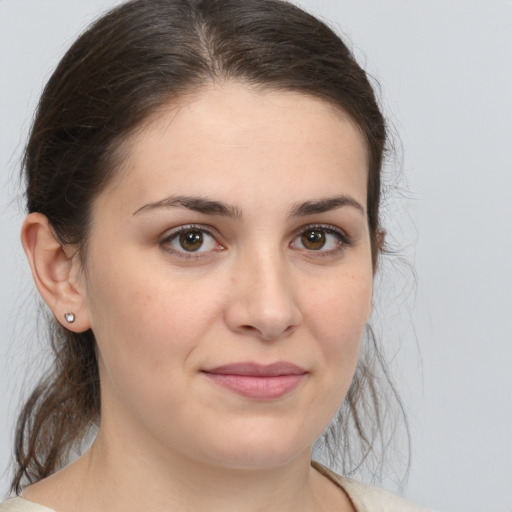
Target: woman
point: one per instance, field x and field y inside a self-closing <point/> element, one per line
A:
<point x="203" y="183"/>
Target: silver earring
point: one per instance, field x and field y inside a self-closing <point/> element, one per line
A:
<point x="70" y="317"/>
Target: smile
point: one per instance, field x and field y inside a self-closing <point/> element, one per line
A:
<point x="260" y="382"/>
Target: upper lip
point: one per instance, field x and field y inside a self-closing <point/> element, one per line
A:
<point x="258" y="370"/>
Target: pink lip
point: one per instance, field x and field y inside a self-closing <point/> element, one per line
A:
<point x="262" y="382"/>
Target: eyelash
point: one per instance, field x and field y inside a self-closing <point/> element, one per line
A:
<point x="343" y="240"/>
<point x="173" y="234"/>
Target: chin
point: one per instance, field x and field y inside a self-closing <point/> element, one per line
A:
<point x="258" y="447"/>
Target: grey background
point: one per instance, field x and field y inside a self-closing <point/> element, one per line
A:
<point x="445" y="69"/>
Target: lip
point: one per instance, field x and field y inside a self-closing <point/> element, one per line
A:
<point x="258" y="381"/>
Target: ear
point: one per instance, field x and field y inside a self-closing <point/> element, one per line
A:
<point x="381" y="239"/>
<point x="56" y="271"/>
<point x="378" y="248"/>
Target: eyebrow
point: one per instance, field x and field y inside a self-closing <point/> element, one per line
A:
<point x="210" y="207"/>
<point x="197" y="204"/>
<point x="325" y="205"/>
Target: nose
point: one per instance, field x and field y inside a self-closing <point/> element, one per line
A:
<point x="263" y="303"/>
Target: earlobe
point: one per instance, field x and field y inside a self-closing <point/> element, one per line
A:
<point x="55" y="273"/>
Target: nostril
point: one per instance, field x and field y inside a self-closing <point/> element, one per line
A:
<point x="268" y="335"/>
<point x="289" y="329"/>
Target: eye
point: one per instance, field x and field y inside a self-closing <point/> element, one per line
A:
<point x="190" y="239"/>
<point x="321" y="239"/>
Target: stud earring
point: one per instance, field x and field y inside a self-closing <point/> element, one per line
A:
<point x="70" y="317"/>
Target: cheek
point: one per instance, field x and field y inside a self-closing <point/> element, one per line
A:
<point x="341" y="307"/>
<point x="144" y="324"/>
<point x="144" y="344"/>
<point x="338" y="318"/>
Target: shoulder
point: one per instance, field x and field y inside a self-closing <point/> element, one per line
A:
<point x="373" y="499"/>
<point x="22" y="505"/>
<point x="366" y="498"/>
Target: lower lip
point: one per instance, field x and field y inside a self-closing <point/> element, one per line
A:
<point x="257" y="387"/>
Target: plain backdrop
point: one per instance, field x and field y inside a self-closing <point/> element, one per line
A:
<point x="445" y="74"/>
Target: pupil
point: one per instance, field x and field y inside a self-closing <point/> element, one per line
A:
<point x="191" y="240"/>
<point x="313" y="239"/>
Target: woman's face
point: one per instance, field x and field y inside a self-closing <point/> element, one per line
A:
<point x="229" y="277"/>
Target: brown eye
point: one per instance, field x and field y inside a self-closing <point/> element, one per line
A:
<point x="323" y="240"/>
<point x="191" y="241"/>
<point x="313" y="239"/>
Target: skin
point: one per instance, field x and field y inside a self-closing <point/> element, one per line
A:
<point x="256" y="290"/>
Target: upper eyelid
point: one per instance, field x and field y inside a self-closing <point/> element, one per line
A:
<point x="171" y="232"/>
<point x="325" y="227"/>
<point x="212" y="230"/>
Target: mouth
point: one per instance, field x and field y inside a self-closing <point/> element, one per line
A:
<point x="257" y="381"/>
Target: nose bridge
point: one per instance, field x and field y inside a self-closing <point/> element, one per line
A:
<point x="270" y="281"/>
<point x="267" y="303"/>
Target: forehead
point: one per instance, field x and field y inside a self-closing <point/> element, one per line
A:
<point x="232" y="138"/>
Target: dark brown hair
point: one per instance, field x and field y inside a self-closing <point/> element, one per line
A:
<point x="121" y="71"/>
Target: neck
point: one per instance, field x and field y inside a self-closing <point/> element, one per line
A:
<point x="143" y="481"/>
<point x="127" y="472"/>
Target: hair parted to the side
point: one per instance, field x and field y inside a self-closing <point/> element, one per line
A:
<point x="130" y="63"/>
